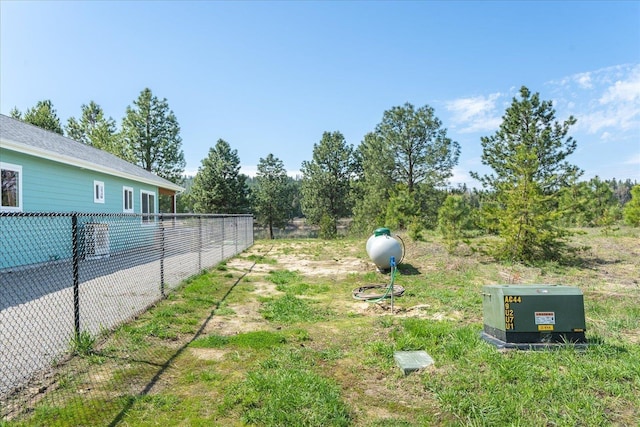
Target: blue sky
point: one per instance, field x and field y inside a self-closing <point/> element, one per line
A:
<point x="271" y="77"/>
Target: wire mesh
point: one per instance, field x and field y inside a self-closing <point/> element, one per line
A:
<point x="70" y="276"/>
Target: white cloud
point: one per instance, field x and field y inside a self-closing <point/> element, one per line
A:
<point x="606" y="136"/>
<point x="460" y="177"/>
<point x="605" y="101"/>
<point x="623" y="91"/>
<point x="475" y="114"/>
<point x="584" y="80"/>
<point x="633" y="160"/>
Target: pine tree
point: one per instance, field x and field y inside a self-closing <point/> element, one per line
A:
<point x="152" y="134"/>
<point x="326" y="183"/>
<point x="528" y="157"/>
<point x="421" y="150"/>
<point x="631" y="210"/>
<point x="374" y="183"/>
<point x="94" y="129"/>
<point x="454" y="220"/>
<point x="272" y="196"/>
<point x="423" y="159"/>
<point x="219" y="187"/>
<point x="42" y="115"/>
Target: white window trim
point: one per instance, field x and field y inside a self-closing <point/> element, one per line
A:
<point x="97" y="198"/>
<point x="124" y="205"/>
<point x="14" y="168"/>
<point x="152" y="219"/>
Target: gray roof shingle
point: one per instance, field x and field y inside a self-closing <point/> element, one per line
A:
<point x="20" y="136"/>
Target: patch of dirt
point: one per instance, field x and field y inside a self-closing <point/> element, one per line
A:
<point x="266" y="289"/>
<point x="422" y="311"/>
<point x="246" y="319"/>
<point x="331" y="268"/>
<point x="244" y="264"/>
<point x="632" y="336"/>
<point x="208" y="353"/>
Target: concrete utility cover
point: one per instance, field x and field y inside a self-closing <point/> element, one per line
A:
<point x="410" y="361"/>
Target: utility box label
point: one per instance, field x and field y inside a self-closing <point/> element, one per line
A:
<point x="545" y="318"/>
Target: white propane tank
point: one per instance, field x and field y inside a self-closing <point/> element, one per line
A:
<point x="381" y="247"/>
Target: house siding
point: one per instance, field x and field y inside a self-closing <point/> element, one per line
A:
<point x="33" y="240"/>
<point x="49" y="186"/>
<point x="58" y="177"/>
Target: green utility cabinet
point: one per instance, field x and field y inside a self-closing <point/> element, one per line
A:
<point x="534" y="313"/>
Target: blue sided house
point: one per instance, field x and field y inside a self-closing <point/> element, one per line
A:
<point x="44" y="172"/>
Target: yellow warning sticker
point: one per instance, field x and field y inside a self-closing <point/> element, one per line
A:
<point x="545" y="327"/>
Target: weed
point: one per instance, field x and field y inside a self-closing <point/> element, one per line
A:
<point x="224" y="310"/>
<point x="255" y="340"/>
<point x="331" y="354"/>
<point x="299" y="335"/>
<point x="82" y="344"/>
<point x="211" y="341"/>
<point x="261" y="259"/>
<point x="290" y="309"/>
<point x="282" y="277"/>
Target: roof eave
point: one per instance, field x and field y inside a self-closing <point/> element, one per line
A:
<point x="68" y="160"/>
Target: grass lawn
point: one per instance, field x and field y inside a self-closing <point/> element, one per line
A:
<point x="273" y="337"/>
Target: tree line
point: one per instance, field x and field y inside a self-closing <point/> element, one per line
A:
<point x="396" y="177"/>
<point x="149" y="135"/>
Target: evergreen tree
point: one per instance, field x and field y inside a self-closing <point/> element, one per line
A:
<point x="588" y="204"/>
<point x="528" y="157"/>
<point x="326" y="183"/>
<point x="296" y="197"/>
<point x="374" y="184"/>
<point x="421" y="150"/>
<point x="94" y="129"/>
<point x="151" y="132"/>
<point x="631" y="210"/>
<point x="603" y="202"/>
<point x="42" y="115"/>
<point x="219" y="187"/>
<point x="574" y="205"/>
<point x="271" y="196"/>
<point x="184" y="201"/>
<point x="423" y="158"/>
<point x="622" y="190"/>
<point x="454" y="220"/>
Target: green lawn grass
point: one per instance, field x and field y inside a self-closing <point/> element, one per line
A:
<point x="280" y="345"/>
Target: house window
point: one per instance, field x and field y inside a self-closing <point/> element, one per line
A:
<point x="127" y="199"/>
<point x="98" y="192"/>
<point x="11" y="183"/>
<point x="148" y="206"/>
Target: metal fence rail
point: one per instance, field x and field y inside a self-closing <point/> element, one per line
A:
<point x="62" y="275"/>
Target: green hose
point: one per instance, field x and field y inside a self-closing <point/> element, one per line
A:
<point x="390" y="290"/>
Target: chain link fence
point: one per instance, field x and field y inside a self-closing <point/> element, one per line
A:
<point x="67" y="276"/>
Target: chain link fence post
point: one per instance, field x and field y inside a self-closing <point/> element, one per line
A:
<point x="199" y="243"/>
<point x="75" y="238"/>
<point x="162" y="293"/>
